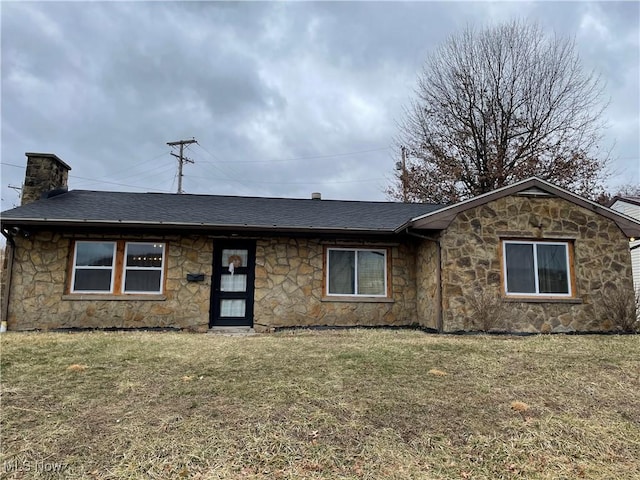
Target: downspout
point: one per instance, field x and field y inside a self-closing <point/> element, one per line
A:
<point x="439" y="322"/>
<point x="11" y="245"/>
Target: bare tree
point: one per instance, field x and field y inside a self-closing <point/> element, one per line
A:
<point x="626" y="190"/>
<point x="497" y="106"/>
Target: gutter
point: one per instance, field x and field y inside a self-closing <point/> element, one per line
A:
<point x="439" y="320"/>
<point x="11" y="246"/>
<point x="182" y="226"/>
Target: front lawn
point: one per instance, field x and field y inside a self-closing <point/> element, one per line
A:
<point x="331" y="404"/>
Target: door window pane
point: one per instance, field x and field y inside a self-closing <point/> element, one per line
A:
<point x="232" y="308"/>
<point x="238" y="257"/>
<point x="233" y="283"/>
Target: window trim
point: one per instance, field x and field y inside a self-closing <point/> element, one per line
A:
<point x="118" y="269"/>
<point x="356" y="296"/>
<point x="126" y="268"/>
<point x="75" y="268"/>
<point x="537" y="295"/>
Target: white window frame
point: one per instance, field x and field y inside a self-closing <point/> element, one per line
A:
<point x="126" y="269"/>
<point x="535" y="244"/>
<point x="356" y="294"/>
<point x="77" y="267"/>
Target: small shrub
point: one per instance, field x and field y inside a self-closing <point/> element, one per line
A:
<point x="487" y="310"/>
<point x="622" y="308"/>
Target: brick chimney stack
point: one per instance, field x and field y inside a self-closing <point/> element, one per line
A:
<point x="45" y="172"/>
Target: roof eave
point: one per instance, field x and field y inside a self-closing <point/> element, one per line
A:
<point x="49" y="222"/>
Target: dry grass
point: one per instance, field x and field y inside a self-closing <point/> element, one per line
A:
<point x="318" y="405"/>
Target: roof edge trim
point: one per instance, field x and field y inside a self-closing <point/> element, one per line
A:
<point x="443" y="217"/>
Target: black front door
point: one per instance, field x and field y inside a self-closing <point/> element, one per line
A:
<point x="233" y="278"/>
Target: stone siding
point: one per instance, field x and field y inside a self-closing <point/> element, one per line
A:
<point x="289" y="287"/>
<point x="471" y="264"/>
<point x="289" y="278"/>
<point x="40" y="278"/>
<point x="44" y="172"/>
<point x="428" y="298"/>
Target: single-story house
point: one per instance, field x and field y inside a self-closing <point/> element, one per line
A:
<point x="529" y="257"/>
<point x="630" y="206"/>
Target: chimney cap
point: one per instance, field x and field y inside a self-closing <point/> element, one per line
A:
<point x="316" y="196"/>
<point x="48" y="155"/>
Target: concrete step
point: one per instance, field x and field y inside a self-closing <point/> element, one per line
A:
<point x="232" y="331"/>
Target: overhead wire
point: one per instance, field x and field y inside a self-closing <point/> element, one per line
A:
<point x="235" y="174"/>
<point x="312" y="157"/>
<point x="115" y="183"/>
<point x="156" y="173"/>
<point x="262" y="182"/>
<point x="137" y="165"/>
<point x="230" y="174"/>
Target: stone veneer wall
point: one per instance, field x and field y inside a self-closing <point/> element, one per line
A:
<point x="471" y="263"/>
<point x="288" y="288"/>
<point x="44" y="172"/>
<point x="38" y="299"/>
<point x="428" y="300"/>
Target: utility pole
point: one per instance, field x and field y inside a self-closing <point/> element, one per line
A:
<point x="18" y="190"/>
<point x="181" y="158"/>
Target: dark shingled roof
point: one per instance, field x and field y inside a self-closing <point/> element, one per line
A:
<point x="82" y="207"/>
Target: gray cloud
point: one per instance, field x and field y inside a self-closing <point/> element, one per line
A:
<point x="284" y="98"/>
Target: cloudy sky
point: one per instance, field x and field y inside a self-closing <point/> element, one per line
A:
<point x="284" y="99"/>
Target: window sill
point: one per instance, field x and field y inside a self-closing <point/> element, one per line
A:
<point x="347" y="299"/>
<point x="541" y="299"/>
<point x="111" y="298"/>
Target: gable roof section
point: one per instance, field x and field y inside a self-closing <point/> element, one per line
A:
<point x="212" y="212"/>
<point x="441" y="218"/>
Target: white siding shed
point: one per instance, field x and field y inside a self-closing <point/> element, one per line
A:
<point x="630" y="206"/>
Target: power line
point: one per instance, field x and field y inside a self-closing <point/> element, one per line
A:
<point x="130" y="172"/>
<point x="313" y="157"/>
<point x="156" y="172"/>
<point x="260" y="182"/>
<point x="114" y="183"/>
<point x="217" y="167"/>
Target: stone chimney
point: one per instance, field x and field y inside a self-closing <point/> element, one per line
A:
<point x="45" y="172"/>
